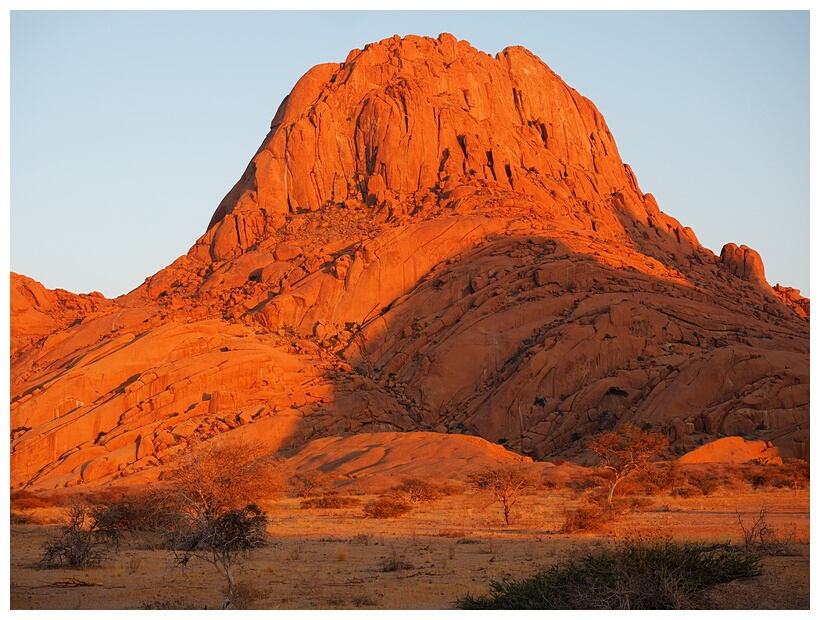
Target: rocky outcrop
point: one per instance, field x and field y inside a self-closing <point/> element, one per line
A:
<point x="792" y="298"/>
<point x="743" y="262"/>
<point x="370" y="462"/>
<point x="429" y="239"/>
<point x="734" y="450"/>
<point x="37" y="312"/>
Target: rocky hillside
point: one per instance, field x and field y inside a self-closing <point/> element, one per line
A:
<point x="428" y="239"/>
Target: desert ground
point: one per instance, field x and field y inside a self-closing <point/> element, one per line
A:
<point x="428" y="558"/>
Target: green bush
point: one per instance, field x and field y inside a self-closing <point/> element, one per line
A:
<point x="635" y="575"/>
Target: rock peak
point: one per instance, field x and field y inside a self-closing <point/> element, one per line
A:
<point x="417" y="115"/>
<point x="429" y="238"/>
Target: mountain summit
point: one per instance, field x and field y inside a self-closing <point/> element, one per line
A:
<point x="428" y="239"/>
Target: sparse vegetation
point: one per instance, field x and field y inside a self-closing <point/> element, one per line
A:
<point x="636" y="575"/>
<point x="504" y="484"/>
<point x="166" y="602"/>
<point x="759" y="535"/>
<point x="592" y="518"/>
<point x="395" y="562"/>
<point x="215" y="490"/>
<point x="445" y="541"/>
<point x="417" y="490"/>
<point x="626" y="450"/>
<point x="307" y="483"/>
<point x="386" y="508"/>
<point x="329" y="501"/>
<point x="79" y="544"/>
<point x="247" y="595"/>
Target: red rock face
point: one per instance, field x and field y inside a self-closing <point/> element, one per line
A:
<point x="428" y="239"/>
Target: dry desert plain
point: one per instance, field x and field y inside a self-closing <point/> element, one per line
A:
<point x="439" y="551"/>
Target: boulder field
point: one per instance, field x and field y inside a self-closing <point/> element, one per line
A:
<point x="429" y="239"/>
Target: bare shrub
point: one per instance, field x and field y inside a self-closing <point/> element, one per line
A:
<point x="78" y="545"/>
<point x="134" y="564"/>
<point x="451" y="533"/>
<point x="166" y="601"/>
<point x="760" y="535"/>
<point x="386" y="508"/>
<point x="395" y="562"/>
<point x="309" y="482"/>
<point x="143" y="513"/>
<point x="417" y="490"/>
<point x="248" y="595"/>
<point x="590" y="518"/>
<point x="329" y="501"/>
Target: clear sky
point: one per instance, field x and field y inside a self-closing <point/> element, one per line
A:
<point x="128" y="128"/>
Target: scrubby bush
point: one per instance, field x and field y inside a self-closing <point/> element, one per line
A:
<point x="309" y="482"/>
<point x="134" y="512"/>
<point x="329" y="501"/>
<point x="792" y="474"/>
<point x="79" y="543"/>
<point x="417" y="490"/>
<point x="395" y="562"/>
<point x="707" y="480"/>
<point x="686" y="491"/>
<point x="24" y="499"/>
<point x="759" y="535"/>
<point x="590" y="518"/>
<point x="166" y="601"/>
<point x="386" y="508"/>
<point x="636" y="575"/>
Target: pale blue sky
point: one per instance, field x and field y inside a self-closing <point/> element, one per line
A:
<point x="128" y="128"/>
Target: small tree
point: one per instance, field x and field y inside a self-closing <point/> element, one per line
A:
<point x="417" y="490"/>
<point x="222" y="540"/>
<point x="216" y="489"/>
<point x="626" y="450"/>
<point x="305" y="483"/>
<point x="505" y="484"/>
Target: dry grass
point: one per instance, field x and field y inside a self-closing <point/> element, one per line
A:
<point x="455" y="545"/>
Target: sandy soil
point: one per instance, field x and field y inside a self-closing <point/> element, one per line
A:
<point x="336" y="559"/>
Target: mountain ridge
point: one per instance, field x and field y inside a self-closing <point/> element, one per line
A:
<point x="428" y="239"/>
